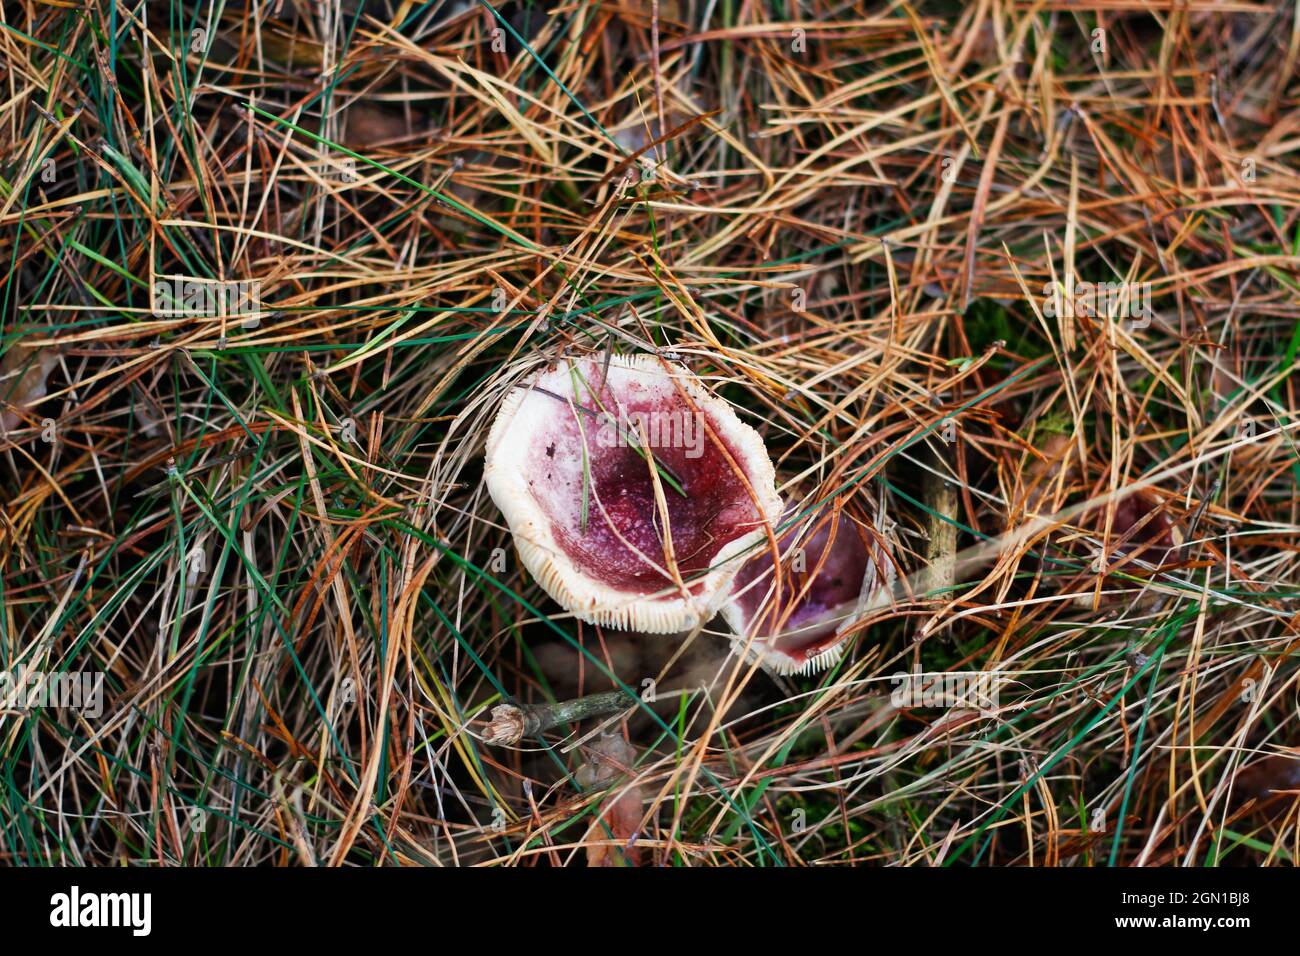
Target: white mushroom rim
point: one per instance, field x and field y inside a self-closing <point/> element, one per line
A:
<point x="629" y="489"/>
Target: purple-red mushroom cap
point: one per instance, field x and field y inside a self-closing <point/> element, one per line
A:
<point x="833" y="573"/>
<point x="589" y="457"/>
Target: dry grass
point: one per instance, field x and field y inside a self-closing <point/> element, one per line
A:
<point x="273" y="538"/>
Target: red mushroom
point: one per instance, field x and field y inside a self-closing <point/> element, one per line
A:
<point x="832" y="573"/>
<point x="630" y="490"/>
